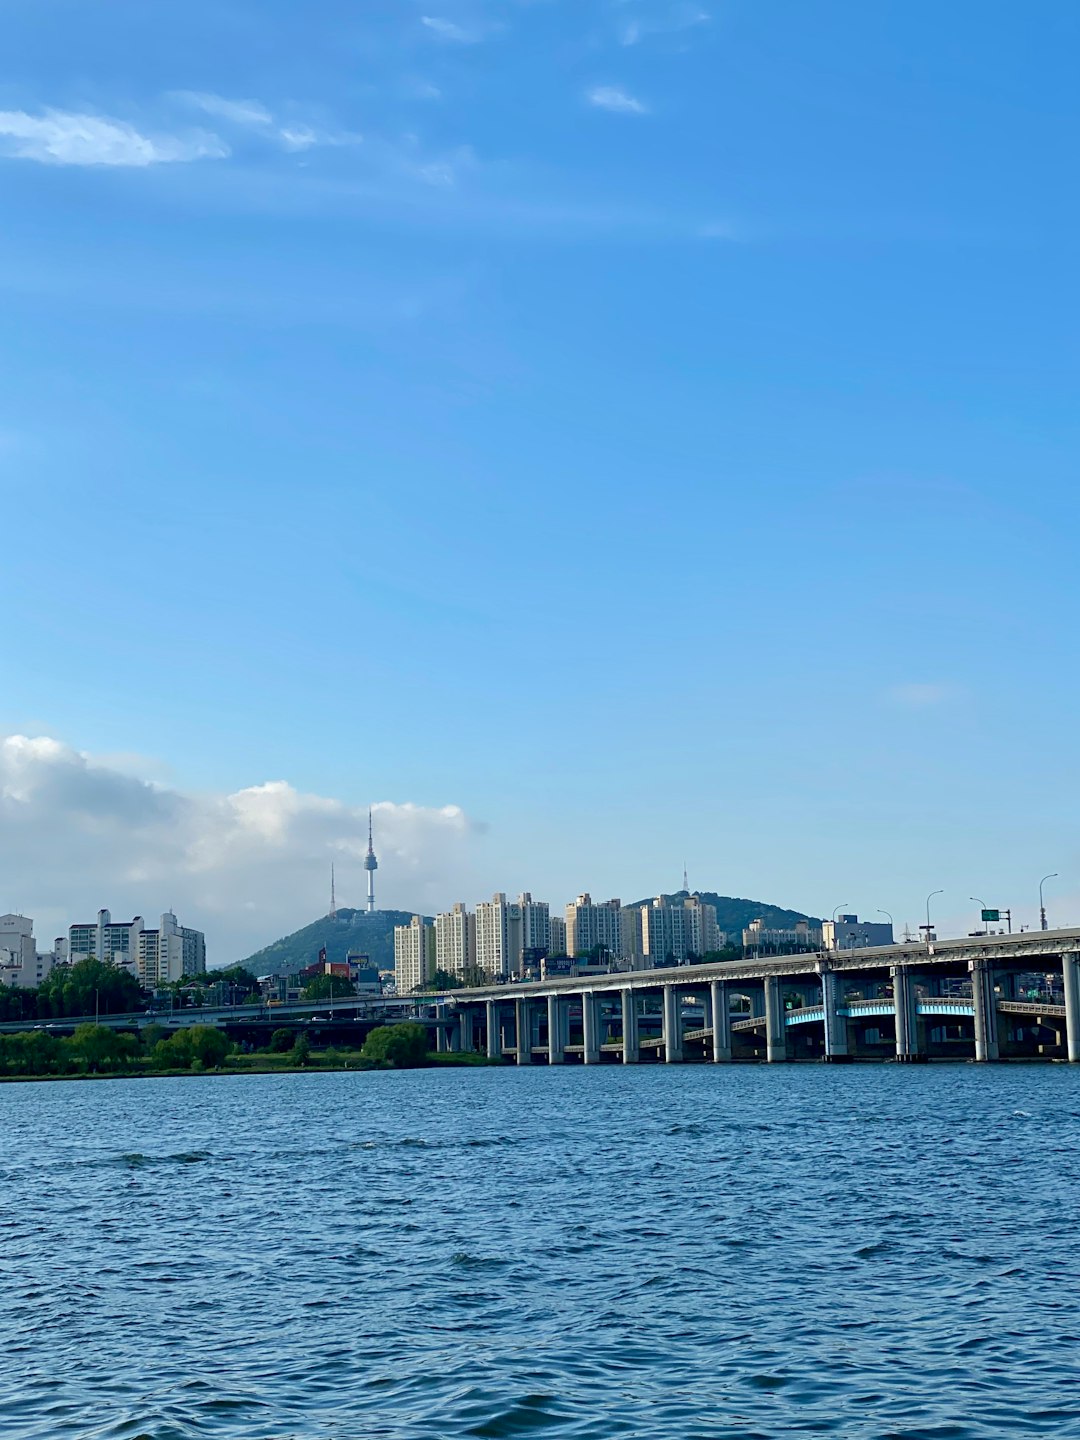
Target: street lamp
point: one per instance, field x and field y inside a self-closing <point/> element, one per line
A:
<point x="928" y="927"/>
<point x="1042" y="908"/>
<point x="888" y="917"/>
<point x="836" y="911"/>
<point x="981" y="904"/>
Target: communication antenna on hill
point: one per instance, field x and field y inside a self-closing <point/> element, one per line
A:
<point x="685" y="881"/>
<point x="370" y="865"/>
<point x="333" y="897"/>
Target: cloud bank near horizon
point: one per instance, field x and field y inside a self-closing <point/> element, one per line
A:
<point x="78" y="833"/>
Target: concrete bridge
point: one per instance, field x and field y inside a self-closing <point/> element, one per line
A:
<point x="950" y="999"/>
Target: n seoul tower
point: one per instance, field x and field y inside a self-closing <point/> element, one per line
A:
<point x="370" y="865"/>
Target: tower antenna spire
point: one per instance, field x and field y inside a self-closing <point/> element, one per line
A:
<point x="685" y="880"/>
<point x="333" y="897"/>
<point x="370" y="865"/>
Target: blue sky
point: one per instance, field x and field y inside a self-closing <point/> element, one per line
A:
<point x="649" y="427"/>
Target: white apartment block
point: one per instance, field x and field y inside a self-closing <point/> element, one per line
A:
<point x="557" y="945"/>
<point x="20" y="962"/>
<point x="663" y="932"/>
<point x="115" y="943"/>
<point x="589" y="924"/>
<point x="155" y="957"/>
<point x="172" y="952"/>
<point x="498" y="936"/>
<point x="535" y="924"/>
<point x="455" y="941"/>
<point x="414" y="955"/>
<point x="702" y="932"/>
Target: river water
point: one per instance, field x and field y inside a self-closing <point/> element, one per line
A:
<point x="683" y="1253"/>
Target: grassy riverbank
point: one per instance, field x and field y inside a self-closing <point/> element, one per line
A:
<point x="258" y="1064"/>
<point x="95" y="1051"/>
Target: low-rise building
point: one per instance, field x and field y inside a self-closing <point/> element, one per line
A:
<point x="848" y="932"/>
<point x="761" y="939"/>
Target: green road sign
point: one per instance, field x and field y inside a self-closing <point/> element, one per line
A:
<point x="991" y="914"/>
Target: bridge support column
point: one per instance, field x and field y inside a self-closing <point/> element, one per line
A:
<point x="984" y="1004"/>
<point x="673" y="1046"/>
<point x="466" y="1037"/>
<point x="720" y="1005"/>
<point x="775" y="1029"/>
<point x="904" y="1011"/>
<point x="494" y="1038"/>
<point x="1070" y="965"/>
<point x="442" y="1035"/>
<point x="590" y="1028"/>
<point x="836" y="1037"/>
<point x="523" y="1032"/>
<point x="631" y="1041"/>
<point x="556" y="1019"/>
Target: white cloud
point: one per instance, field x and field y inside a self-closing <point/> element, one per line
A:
<point x="449" y="30"/>
<point x="236" y="112"/>
<point x="611" y="97"/>
<point x="77" y="834"/>
<point x="61" y="137"/>
<point x="918" y="695"/>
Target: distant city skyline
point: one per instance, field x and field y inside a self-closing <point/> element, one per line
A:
<point x="249" y="867"/>
<point x="595" y="434"/>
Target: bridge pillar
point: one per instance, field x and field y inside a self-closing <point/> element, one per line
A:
<point x="556" y="1020"/>
<point x="494" y="1038"/>
<point x="720" y="1005"/>
<point x="466" y="1036"/>
<point x="1070" y="965"/>
<point x="631" y="1042"/>
<point x="775" y="1029"/>
<point x="984" y="1004"/>
<point x="906" y="1016"/>
<point x="590" y="1028"/>
<point x="673" y="1046"/>
<point x="836" y="1037"/>
<point x="523" y="1032"/>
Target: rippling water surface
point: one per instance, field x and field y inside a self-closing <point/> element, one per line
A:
<point x="679" y="1254"/>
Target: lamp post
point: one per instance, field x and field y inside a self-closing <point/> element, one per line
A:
<point x="1042" y="908"/>
<point x="888" y="917"/>
<point x="928" y="927"/>
<point x="981" y="904"/>
<point x="836" y="911"/>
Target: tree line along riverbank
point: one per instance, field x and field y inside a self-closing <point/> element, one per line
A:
<point x="99" y="1051"/>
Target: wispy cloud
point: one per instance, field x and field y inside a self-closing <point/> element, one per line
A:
<point x="449" y="30"/>
<point x="62" y="137"/>
<point x="920" y="695"/>
<point x="669" y="21"/>
<point x="236" y="112"/>
<point x="254" y="116"/>
<point x="620" y="102"/>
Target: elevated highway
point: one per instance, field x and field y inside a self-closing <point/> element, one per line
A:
<point x="363" y="1010"/>
<point x="913" y="1001"/>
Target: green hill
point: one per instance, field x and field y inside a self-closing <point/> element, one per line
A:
<point x="369" y="933"/>
<point x="373" y="934"/>
<point x="733" y="915"/>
